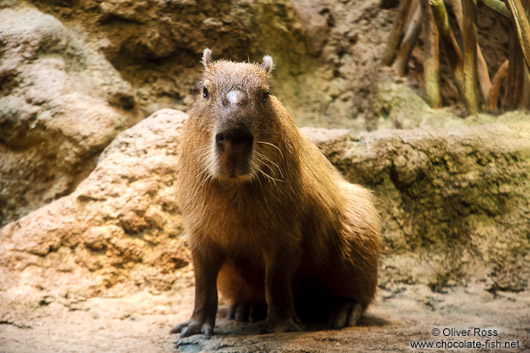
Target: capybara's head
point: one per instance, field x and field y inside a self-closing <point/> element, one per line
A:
<point x="235" y="117"/>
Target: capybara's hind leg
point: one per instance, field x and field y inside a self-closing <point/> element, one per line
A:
<point x="344" y="313"/>
<point x="245" y="311"/>
<point x="239" y="311"/>
<point x="247" y="303"/>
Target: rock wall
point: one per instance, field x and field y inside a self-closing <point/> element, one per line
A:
<point x="119" y="229"/>
<point x="326" y="52"/>
<point x="454" y="202"/>
<point x="75" y="73"/>
<point x="61" y="103"/>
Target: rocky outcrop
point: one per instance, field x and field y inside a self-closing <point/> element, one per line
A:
<point x="454" y="203"/>
<point x="73" y="74"/>
<point x="326" y="52"/>
<point x="454" y="200"/>
<point x="61" y="103"/>
<point x="157" y="45"/>
<point x="120" y="229"/>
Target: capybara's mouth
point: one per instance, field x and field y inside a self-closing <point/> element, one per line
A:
<point x="234" y="168"/>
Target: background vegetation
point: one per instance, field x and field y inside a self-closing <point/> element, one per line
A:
<point x="450" y="34"/>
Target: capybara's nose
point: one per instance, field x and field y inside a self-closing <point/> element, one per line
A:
<point x="235" y="138"/>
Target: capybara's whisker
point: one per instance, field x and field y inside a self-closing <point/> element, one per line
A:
<point x="200" y="150"/>
<point x="265" y="160"/>
<point x="271" y="144"/>
<point x="270" y="178"/>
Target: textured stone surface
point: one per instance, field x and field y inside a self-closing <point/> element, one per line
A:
<point x="455" y="200"/>
<point x="61" y="103"/>
<point x="120" y="229"/>
<point x="326" y="51"/>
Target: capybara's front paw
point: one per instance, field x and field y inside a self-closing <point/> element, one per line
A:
<point x="193" y="327"/>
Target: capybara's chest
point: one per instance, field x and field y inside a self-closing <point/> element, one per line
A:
<point x="245" y="223"/>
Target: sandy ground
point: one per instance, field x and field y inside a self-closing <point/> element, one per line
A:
<point x="400" y="317"/>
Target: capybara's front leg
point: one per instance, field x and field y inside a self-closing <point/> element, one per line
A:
<point x="281" y="316"/>
<point x="206" y="266"/>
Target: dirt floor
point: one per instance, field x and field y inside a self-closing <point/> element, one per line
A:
<point x="401" y="317"/>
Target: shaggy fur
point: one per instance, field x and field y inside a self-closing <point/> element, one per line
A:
<point x="275" y="223"/>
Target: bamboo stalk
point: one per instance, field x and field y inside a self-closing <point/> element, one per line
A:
<point x="521" y="27"/>
<point x="409" y="40"/>
<point x="493" y="95"/>
<point x="469" y="33"/>
<point x="482" y="67"/>
<point x="514" y="88"/>
<point x="448" y="42"/>
<point x="483" y="74"/>
<point x="498" y="6"/>
<point x="526" y="81"/>
<point x="431" y="62"/>
<point x="397" y="33"/>
<point x="525" y="99"/>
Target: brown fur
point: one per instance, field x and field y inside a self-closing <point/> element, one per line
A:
<point x="283" y="219"/>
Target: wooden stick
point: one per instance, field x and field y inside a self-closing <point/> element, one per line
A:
<point x="397" y="33"/>
<point x="431" y="61"/>
<point x="456" y="5"/>
<point x="493" y="95"/>
<point x="525" y="103"/>
<point x="483" y="74"/>
<point x="411" y="36"/>
<point x="469" y="33"/>
<point x="525" y="99"/>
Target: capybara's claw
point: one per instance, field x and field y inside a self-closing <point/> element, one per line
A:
<point x="190" y="328"/>
<point x="178" y="328"/>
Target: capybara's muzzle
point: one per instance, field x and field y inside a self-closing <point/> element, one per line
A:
<point x="234" y="149"/>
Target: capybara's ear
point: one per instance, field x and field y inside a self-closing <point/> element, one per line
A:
<point x="267" y="64"/>
<point x="207" y="57"/>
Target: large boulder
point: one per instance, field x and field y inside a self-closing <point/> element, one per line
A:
<point x="119" y="230"/>
<point x="454" y="202"/>
<point x="61" y="103"/>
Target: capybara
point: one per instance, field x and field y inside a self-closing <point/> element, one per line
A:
<point x="272" y="224"/>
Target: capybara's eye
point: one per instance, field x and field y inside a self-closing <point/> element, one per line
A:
<point x="205" y="92"/>
<point x="265" y="96"/>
